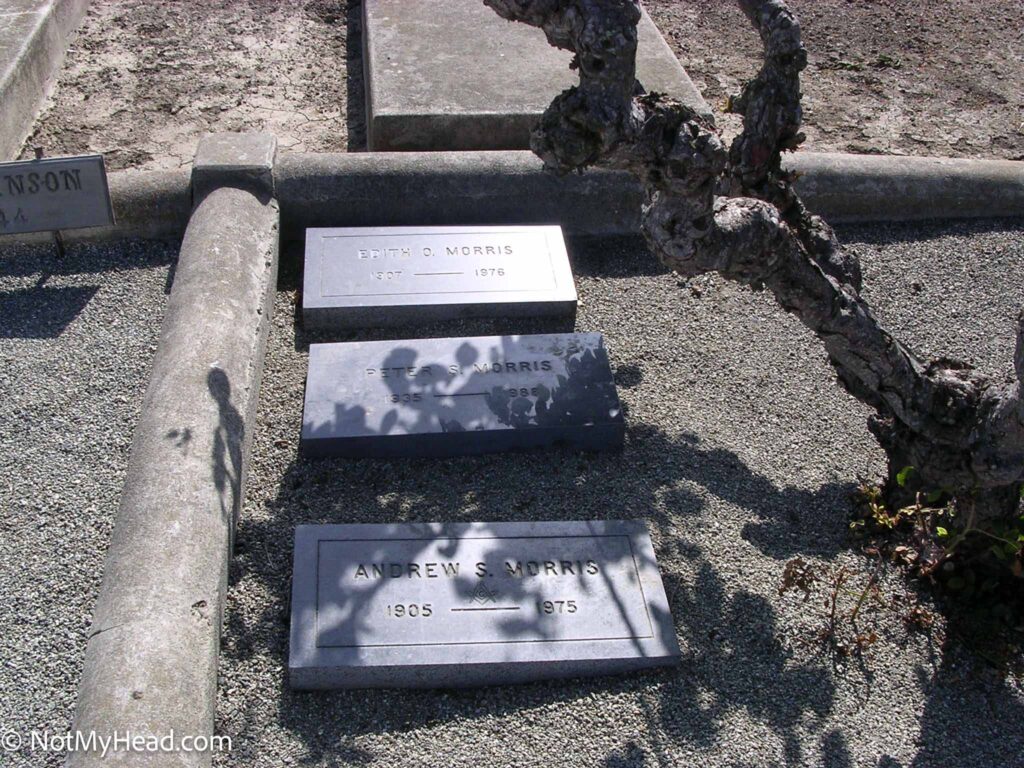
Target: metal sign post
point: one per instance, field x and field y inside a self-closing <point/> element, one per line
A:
<point x="58" y="239"/>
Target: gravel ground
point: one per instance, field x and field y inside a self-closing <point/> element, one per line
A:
<point x="741" y="453"/>
<point x="76" y="338"/>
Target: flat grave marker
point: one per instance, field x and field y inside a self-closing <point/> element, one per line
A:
<point x="453" y="75"/>
<point x="384" y="276"/>
<point x="448" y="397"/>
<point x="54" y="193"/>
<point x="450" y="605"/>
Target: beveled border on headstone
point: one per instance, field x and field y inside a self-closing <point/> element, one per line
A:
<point x="54" y="193"/>
<point x="437" y="605"/>
<point x="357" y="277"/>
<point x="458" y="396"/>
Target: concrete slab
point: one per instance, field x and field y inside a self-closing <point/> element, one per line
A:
<point x="366" y="277"/>
<point x="452" y="74"/>
<point x="243" y="160"/>
<point x="451" y="605"/>
<point x="34" y="35"/>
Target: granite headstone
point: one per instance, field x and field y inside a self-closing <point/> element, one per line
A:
<point x="357" y="277"/>
<point x="447" y="397"/>
<point x="450" y="605"/>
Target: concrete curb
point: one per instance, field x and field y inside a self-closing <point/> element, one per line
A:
<point x="32" y="47"/>
<point x="480" y="187"/>
<point x="151" y="205"/>
<point x="844" y="187"/>
<point x="151" y="658"/>
<point x="510" y="187"/>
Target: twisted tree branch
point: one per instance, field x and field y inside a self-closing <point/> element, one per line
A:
<point x="736" y="212"/>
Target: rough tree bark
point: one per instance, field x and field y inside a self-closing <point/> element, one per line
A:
<point x="734" y="211"/>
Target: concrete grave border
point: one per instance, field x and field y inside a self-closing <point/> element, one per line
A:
<point x="28" y="69"/>
<point x="511" y="187"/>
<point x="151" y="656"/>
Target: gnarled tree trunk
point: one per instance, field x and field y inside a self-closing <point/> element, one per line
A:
<point x="734" y="211"/>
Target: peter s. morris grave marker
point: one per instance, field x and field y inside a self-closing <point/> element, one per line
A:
<point x="449" y="605"/>
<point x="447" y="397"/>
<point x="52" y="194"/>
<point x="384" y="276"/>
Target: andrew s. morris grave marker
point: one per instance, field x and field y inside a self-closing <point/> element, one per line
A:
<point x="448" y="605"/>
<point x="448" y="397"/>
<point x="384" y="276"/>
<point x="52" y="194"/>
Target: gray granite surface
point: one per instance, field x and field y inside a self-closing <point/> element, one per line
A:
<point x="447" y="397"/>
<point x="452" y="74"/>
<point x="366" y="277"/>
<point x="434" y="605"/>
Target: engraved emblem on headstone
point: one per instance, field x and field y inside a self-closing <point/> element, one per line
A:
<point x="482" y="595"/>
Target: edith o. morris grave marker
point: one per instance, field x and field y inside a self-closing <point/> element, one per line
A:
<point x="446" y="397"/>
<point x="447" y="605"/>
<point x="54" y="193"/>
<point x="384" y="276"/>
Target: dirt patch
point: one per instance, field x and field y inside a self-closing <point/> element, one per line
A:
<point x="932" y="77"/>
<point x="143" y="80"/>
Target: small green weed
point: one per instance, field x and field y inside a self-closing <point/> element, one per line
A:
<point x="974" y="567"/>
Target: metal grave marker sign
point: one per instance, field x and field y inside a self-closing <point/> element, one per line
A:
<point x="55" y="193"/>
<point x="449" y="605"/>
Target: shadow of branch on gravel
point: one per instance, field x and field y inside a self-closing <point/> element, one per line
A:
<point x="42" y="312"/>
<point x="972" y="716"/>
<point x="733" y="660"/>
<point x="85" y="258"/>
